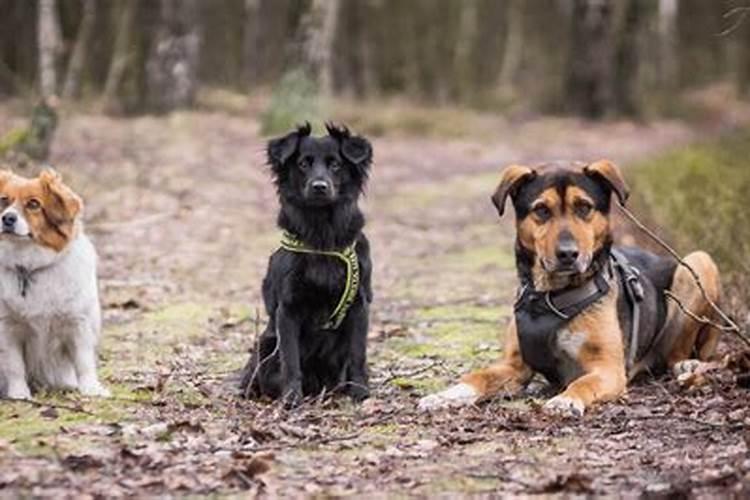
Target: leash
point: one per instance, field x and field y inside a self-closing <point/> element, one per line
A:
<point x="729" y="325"/>
<point x="348" y="256"/>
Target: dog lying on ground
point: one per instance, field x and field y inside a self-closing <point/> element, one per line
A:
<point x="317" y="288"/>
<point x="49" y="303"/>
<point x="588" y="316"/>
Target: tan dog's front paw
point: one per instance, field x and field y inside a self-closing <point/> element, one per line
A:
<point x="565" y="406"/>
<point x="458" y="395"/>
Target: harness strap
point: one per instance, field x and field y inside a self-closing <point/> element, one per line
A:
<point x="631" y="279"/>
<point x="348" y="256"/>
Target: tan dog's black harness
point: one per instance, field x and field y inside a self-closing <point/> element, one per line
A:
<point x="541" y="315"/>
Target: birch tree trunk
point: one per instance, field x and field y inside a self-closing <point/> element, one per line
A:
<point x="48" y="33"/>
<point x="321" y="24"/>
<point x="72" y="86"/>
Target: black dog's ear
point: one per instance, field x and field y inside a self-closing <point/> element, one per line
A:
<point x="356" y="149"/>
<point x="609" y="173"/>
<point x="282" y="148"/>
<point x="513" y="177"/>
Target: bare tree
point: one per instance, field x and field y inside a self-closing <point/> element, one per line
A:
<point x="72" y="86"/>
<point x="588" y="86"/>
<point x="172" y="66"/>
<point x="48" y="32"/>
<point x="667" y="42"/>
<point x="121" y="54"/>
<point x="513" y="44"/>
<point x="320" y="29"/>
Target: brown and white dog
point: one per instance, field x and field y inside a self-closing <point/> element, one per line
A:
<point x="574" y="317"/>
<point x="49" y="303"/>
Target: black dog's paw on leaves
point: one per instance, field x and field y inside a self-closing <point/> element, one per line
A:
<point x="358" y="393"/>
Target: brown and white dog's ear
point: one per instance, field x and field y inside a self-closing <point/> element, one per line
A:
<point x="5" y="176"/>
<point x="513" y="177"/>
<point x="609" y="173"/>
<point x="61" y="204"/>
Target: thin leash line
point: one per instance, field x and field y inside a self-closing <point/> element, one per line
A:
<point x="730" y="325"/>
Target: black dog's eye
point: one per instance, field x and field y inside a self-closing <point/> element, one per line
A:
<point x="305" y="163"/>
<point x="542" y="212"/>
<point x="583" y="209"/>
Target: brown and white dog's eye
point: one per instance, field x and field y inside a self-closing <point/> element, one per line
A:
<point x="583" y="209"/>
<point x="33" y="204"/>
<point x="4" y="201"/>
<point x="542" y="212"/>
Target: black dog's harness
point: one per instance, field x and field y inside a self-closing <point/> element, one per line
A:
<point x="349" y="257"/>
<point x="541" y="315"/>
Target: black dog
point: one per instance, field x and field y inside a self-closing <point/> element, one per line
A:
<point x="317" y="288"/>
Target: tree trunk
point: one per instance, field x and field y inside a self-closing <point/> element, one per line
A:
<point x="588" y="85"/>
<point x="627" y="60"/>
<point x="253" y="52"/>
<point x="72" y="87"/>
<point x="667" y="72"/>
<point x="172" y="66"/>
<point x="513" y="44"/>
<point x="466" y="37"/>
<point x="121" y="54"/>
<point x="743" y="62"/>
<point x="48" y="33"/>
<point x="321" y="23"/>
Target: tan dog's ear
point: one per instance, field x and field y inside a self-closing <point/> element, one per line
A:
<point x="63" y="205"/>
<point x="608" y="172"/>
<point x="512" y="178"/>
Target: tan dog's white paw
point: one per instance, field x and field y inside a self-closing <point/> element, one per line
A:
<point x="565" y="406"/>
<point x="457" y="395"/>
<point x="95" y="390"/>
<point x="687" y="366"/>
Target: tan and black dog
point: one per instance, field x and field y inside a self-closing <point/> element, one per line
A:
<point x="589" y="316"/>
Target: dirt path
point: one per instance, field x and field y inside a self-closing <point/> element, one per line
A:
<point x="183" y="213"/>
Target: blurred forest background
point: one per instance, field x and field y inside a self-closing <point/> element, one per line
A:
<point x="594" y="58"/>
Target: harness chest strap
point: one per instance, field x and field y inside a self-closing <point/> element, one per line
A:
<point x="349" y="257"/>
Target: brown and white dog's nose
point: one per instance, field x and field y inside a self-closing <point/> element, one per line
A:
<point x="9" y="221"/>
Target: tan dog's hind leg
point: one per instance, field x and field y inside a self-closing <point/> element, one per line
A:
<point x="683" y="336"/>
<point x="509" y="375"/>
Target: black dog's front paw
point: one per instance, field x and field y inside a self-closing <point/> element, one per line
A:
<point x="358" y="392"/>
<point x="292" y="397"/>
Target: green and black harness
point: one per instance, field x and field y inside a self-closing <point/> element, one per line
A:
<point x="348" y="256"/>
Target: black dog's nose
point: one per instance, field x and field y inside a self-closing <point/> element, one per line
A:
<point x="320" y="187"/>
<point x="10" y="219"/>
<point x="567" y="253"/>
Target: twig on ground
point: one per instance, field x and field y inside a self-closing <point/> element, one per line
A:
<point x="39" y="404"/>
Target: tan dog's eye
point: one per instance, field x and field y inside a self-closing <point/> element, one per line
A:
<point x="583" y="209"/>
<point x="4" y="201"/>
<point x="542" y="212"/>
<point x="33" y="204"/>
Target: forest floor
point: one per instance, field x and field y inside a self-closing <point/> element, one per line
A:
<point x="182" y="212"/>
